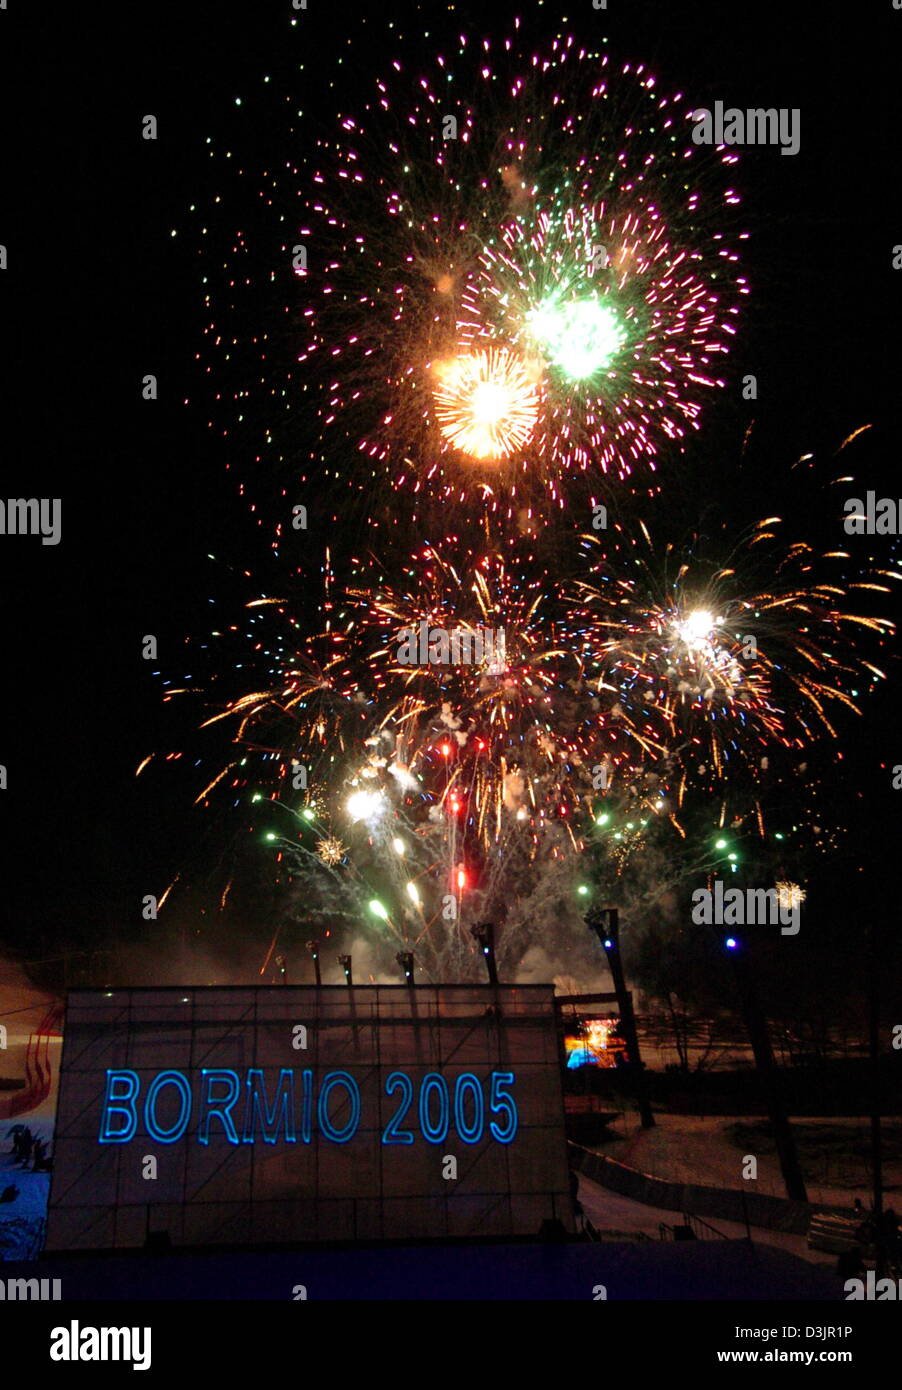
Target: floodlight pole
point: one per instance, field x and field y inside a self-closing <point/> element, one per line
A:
<point x="756" y="1027"/>
<point x="313" y="948"/>
<point x="605" y="922"/>
<point x="484" y="936"/>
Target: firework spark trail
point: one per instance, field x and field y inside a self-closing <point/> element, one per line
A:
<point x="624" y="350"/>
<point x="474" y="764"/>
<point x="545" y="204"/>
<point x="521" y="732"/>
<point x="741" y="657"/>
<point x="486" y="403"/>
<point x="678" y="670"/>
<point x="504" y="279"/>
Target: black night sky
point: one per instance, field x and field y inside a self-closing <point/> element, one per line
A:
<point x="97" y="294"/>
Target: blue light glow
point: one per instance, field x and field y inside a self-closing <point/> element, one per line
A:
<point x="504" y="1104"/>
<point x="306" y="1105"/>
<point x="167" y="1078"/>
<point x="218" y="1107"/>
<point x="257" y="1105"/>
<point x="470" y="1134"/>
<point x="122" y="1088"/>
<point x="219" y="1091"/>
<point x="398" y="1081"/>
<point x="333" y="1079"/>
<point x="434" y="1082"/>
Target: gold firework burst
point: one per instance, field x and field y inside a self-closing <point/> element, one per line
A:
<point x="486" y="403"/>
<point x="331" y="850"/>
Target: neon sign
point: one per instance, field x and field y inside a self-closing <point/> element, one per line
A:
<point x="333" y="1108"/>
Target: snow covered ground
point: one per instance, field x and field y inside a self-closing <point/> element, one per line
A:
<point x="613" y="1216"/>
<point x="686" y="1148"/>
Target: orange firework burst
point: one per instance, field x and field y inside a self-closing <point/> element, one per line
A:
<point x="486" y="403"/>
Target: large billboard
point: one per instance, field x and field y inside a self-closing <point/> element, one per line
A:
<point x="252" y="1116"/>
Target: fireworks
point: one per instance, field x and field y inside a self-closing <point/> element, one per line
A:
<point x="790" y="896"/>
<point x="504" y="281"/>
<point x="330" y="850"/>
<point x="430" y="781"/>
<point x="579" y="336"/>
<point x="502" y="742"/>
<point x="366" y="806"/>
<point x="486" y="404"/>
<point x="505" y="256"/>
<point x="625" y="321"/>
<point x="742" y="657"/>
<point x="468" y="723"/>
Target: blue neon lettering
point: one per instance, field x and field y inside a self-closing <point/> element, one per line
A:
<point x="435" y="1134"/>
<point x="269" y="1119"/>
<point x="333" y="1079"/>
<point x="121" y="1089"/>
<point x="306" y="1105"/>
<point x="398" y="1081"/>
<point x="498" y="1101"/>
<point x="167" y="1078"/>
<point x="218" y="1107"/>
<point x="470" y="1134"/>
<point x="220" y="1090"/>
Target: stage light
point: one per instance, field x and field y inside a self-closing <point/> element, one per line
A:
<point x="484" y="936"/>
<point x="313" y="948"/>
<point x="405" y="960"/>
